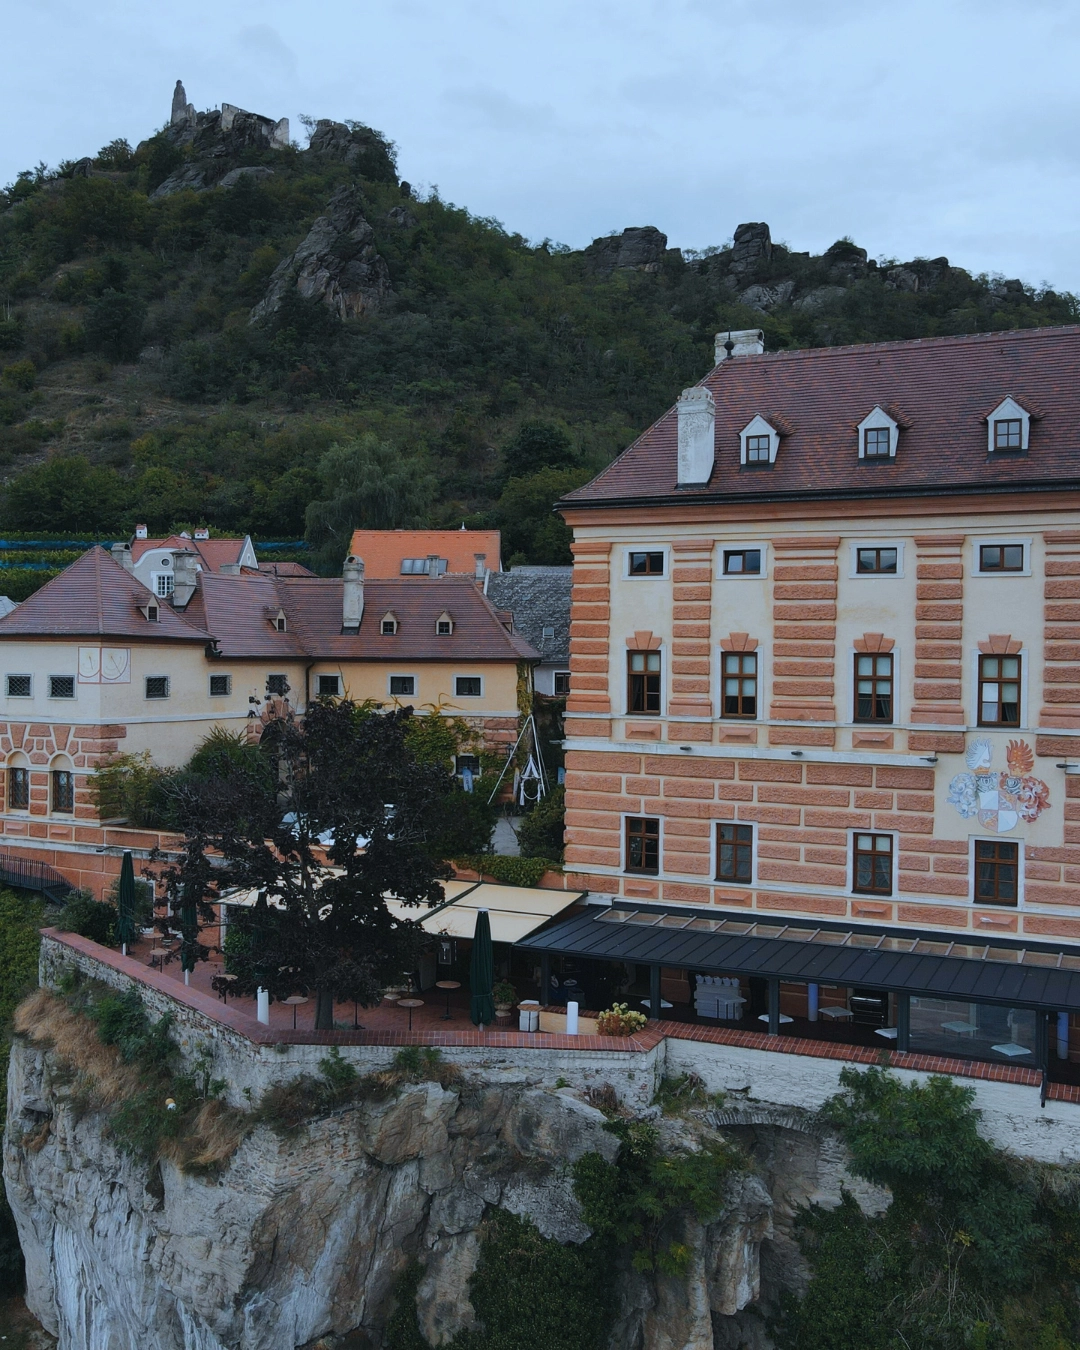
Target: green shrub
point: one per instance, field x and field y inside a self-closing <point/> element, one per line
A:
<point x="132" y="788"/>
<point x="510" y="871"/>
<point x="20" y="376"/>
<point x="89" y="918"/>
<point x="540" y="834"/>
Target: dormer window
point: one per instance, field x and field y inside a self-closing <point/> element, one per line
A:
<point x="388" y="625"/>
<point x="878" y="435"/>
<point x="279" y="621"/>
<point x="151" y="612"/>
<point x="444" y="625"/>
<point x="759" y="441"/>
<point x="1008" y="426"/>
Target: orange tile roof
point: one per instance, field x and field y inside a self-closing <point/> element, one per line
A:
<point x="213" y="553"/>
<point x="383" y="550"/>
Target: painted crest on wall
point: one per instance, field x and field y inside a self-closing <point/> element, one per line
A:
<point x="1000" y="799"/>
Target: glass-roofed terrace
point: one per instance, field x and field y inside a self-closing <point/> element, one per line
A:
<point x="999" y="1001"/>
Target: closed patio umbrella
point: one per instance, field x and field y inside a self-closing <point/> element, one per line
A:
<point x="125" y="904"/>
<point x="189" y="934"/>
<point x="482" y="973"/>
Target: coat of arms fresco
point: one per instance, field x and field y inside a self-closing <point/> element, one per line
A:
<point x="1000" y="799"/>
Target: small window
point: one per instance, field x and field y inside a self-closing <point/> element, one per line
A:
<point x="877" y="441"/>
<point x="277" y="684"/>
<point x="220" y="685"/>
<point x="467" y="686"/>
<point x="1008" y="433"/>
<point x="646" y="564"/>
<point x="388" y="627"/>
<point x="643" y="679"/>
<point x="20" y="686"/>
<point x="329" y="686"/>
<point x="742" y="562"/>
<point x="876" y="560"/>
<point x="61" y="686"/>
<point x="157" y="686"/>
<point x="470" y="762"/>
<point x="163" y="584"/>
<point x="874" y="687"/>
<point x="758" y="449"/>
<point x="1001" y="558"/>
<point x="997" y="871"/>
<point x="63" y="791"/>
<point x="402" y="686"/>
<point x="562" y="682"/>
<point x="18" y="789"/>
<point x="281" y="623"/>
<point x="740" y="677"/>
<point x="999" y="691"/>
<point x="873" y="864"/>
<point x="642" y="844"/>
<point x="734" y="852"/>
<point x="547" y="634"/>
<point x="151" y="613"/>
<point x="444" y="628"/>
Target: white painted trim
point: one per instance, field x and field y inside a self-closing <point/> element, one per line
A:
<point x="62" y="698"/>
<point x="465" y="676"/>
<point x="810" y="755"/>
<point x="665" y="549"/>
<point x="742" y="546"/>
<point x="160" y="675"/>
<point x="1024" y="686"/>
<point x="401" y="675"/>
<point x="217" y="675"/>
<point x="757" y="426"/>
<point x="878" y="419"/>
<point x="17" y="674"/>
<point x="853" y="559"/>
<point x="978" y="541"/>
<point x="1008" y="410"/>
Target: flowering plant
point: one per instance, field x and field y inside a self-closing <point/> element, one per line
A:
<point x="620" y="1020"/>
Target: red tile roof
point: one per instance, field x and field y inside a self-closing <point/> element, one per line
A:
<point x="239" y="611"/>
<point x="383" y="550"/>
<point x="213" y="553"/>
<point x="286" y="569"/>
<point x="96" y="597"/>
<point x="945" y="388"/>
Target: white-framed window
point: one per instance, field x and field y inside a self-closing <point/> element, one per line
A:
<point x="402" y="686"/>
<point x="739" y="560"/>
<point x="877" y="558"/>
<point x="759" y="442"/>
<point x="996" y="865"/>
<point x="388" y="624"/>
<point x="999" y="682"/>
<point x="157" y="686"/>
<point x="61" y="686"/>
<point x="220" y="686"/>
<point x="561" y="682"/>
<point x="19" y="686"/>
<point x="646" y="560"/>
<point x="1008" y="429"/>
<point x="444" y="624"/>
<point x="1001" y="556"/>
<point x="879" y="435"/>
<point x="162" y="583"/>
<point x="468" y="686"/>
<point x="329" y="686"/>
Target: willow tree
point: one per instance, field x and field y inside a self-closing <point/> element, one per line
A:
<point x="335" y="813"/>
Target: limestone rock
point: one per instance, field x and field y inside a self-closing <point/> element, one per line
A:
<point x="639" y="248"/>
<point x="557" y="1127"/>
<point x="752" y="243"/>
<point x="767" y="297"/>
<point x="442" y="1297"/>
<point x="402" y="216"/>
<point x="256" y="172"/>
<point x="813" y="302"/>
<point x="336" y="264"/>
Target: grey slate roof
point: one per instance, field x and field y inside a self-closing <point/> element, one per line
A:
<point x="538" y="598"/>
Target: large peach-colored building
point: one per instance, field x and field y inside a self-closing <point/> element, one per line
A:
<point x="825" y="655"/>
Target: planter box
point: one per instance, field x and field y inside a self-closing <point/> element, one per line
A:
<point x="554" y="1019"/>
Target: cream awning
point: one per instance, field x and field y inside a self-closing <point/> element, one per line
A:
<point x="514" y="911"/>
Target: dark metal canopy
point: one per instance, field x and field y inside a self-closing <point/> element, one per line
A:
<point x="931" y="965"/>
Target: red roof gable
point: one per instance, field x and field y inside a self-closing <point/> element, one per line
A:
<point x="816" y="398"/>
<point x="213" y="553"/>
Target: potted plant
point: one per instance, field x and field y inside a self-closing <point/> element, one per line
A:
<point x="504" y="995"/>
<point x="620" y="1020"/>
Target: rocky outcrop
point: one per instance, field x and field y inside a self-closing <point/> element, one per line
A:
<point x="306" y="1237"/>
<point x="639" y="248"/>
<point x="336" y="264"/>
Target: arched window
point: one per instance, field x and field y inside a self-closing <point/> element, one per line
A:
<point x="18" y="782"/>
<point x="62" y="786"/>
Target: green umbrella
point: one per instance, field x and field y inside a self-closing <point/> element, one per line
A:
<point x="482" y="973"/>
<point x="125" y="904"/>
<point x="189" y="932"/>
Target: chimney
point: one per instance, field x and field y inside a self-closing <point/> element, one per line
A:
<point x="697" y="435"/>
<point x="480" y="570"/>
<point x="202" y="532"/>
<point x="352" y="594"/>
<point x="122" y="554"/>
<point x="140" y="531"/>
<point x="433" y="564"/>
<point x="185" y="572"/>
<point x="740" y="342"/>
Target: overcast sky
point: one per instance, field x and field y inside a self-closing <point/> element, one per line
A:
<point x="917" y="127"/>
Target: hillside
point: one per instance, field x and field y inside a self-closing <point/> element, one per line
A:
<point x="188" y="327"/>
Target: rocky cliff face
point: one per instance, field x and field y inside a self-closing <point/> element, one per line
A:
<point x="302" y="1240"/>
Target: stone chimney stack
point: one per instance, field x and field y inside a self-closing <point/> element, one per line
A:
<point x="480" y="570"/>
<point x="433" y="564"/>
<point x="352" y="594"/>
<point x="185" y="574"/>
<point x="122" y="554"/>
<point x="697" y="435"/>
<point x="740" y="342"/>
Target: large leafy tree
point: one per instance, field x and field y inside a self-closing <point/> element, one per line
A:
<point x="285" y="827"/>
